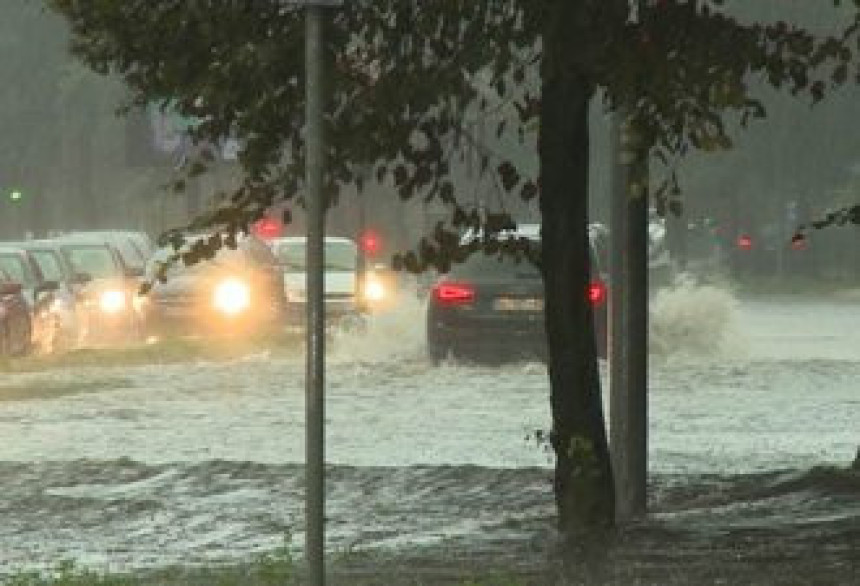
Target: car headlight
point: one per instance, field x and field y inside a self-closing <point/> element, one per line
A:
<point x="232" y="297"/>
<point x="112" y="301"/>
<point x="374" y="291"/>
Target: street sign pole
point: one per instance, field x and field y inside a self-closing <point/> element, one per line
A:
<point x="315" y="326"/>
<point x="628" y="319"/>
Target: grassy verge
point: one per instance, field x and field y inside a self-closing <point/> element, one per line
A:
<point x="169" y="351"/>
<point x="274" y="569"/>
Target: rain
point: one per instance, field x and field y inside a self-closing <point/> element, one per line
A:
<point x="152" y="385"/>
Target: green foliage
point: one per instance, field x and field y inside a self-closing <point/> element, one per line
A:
<point x="407" y="75"/>
<point x="67" y="573"/>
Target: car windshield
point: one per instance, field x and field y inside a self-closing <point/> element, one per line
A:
<point x="49" y="264"/>
<point x="14" y="265"/>
<point x="95" y="261"/>
<point x="339" y="256"/>
<point x="132" y="257"/>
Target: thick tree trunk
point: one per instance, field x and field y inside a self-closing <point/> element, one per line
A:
<point x="584" y="486"/>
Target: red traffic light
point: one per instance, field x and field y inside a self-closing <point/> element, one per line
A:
<point x="370" y="242"/>
<point x="267" y="228"/>
<point x="745" y="242"/>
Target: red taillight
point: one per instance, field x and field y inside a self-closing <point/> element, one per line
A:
<point x="745" y="242"/>
<point x="453" y="293"/>
<point x="267" y="228"/>
<point x="597" y="293"/>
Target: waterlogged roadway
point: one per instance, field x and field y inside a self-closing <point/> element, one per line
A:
<point x="127" y="467"/>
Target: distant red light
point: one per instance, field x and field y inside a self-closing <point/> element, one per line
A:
<point x="799" y="244"/>
<point x="745" y="242"/>
<point x="453" y="293"/>
<point x="597" y="293"/>
<point x="267" y="228"/>
<point x="370" y="243"/>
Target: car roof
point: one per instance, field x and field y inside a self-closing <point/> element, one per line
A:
<point x="81" y="238"/>
<point x="12" y="248"/>
<point x="303" y="240"/>
<point x="530" y="231"/>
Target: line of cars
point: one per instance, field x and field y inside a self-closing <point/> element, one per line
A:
<point x="75" y="289"/>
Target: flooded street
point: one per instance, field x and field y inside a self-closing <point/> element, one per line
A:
<point x="126" y="467"/>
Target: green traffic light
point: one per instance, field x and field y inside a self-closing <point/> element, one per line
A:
<point x="16" y="195"/>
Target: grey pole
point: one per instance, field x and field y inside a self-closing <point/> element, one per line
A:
<point x="618" y="336"/>
<point x="629" y="319"/>
<point x="315" y="356"/>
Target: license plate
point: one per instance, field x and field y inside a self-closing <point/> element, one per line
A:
<point x="518" y="304"/>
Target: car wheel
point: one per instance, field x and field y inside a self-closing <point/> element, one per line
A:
<point x="436" y="351"/>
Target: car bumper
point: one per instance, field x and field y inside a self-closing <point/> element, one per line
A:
<point x="181" y="321"/>
<point x="501" y="339"/>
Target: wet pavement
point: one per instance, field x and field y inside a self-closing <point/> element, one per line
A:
<point x="147" y="466"/>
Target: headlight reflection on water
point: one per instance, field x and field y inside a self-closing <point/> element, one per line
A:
<point x="232" y="297"/>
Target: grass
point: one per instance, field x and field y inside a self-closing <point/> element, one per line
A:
<point x="168" y="351"/>
<point x="277" y="568"/>
<point x="50" y="389"/>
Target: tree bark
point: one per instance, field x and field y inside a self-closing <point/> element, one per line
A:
<point x="584" y="485"/>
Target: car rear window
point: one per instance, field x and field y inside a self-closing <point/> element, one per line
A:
<point x="492" y="266"/>
<point x="339" y="256"/>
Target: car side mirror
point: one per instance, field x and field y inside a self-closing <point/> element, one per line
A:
<point x="81" y="279"/>
<point x="46" y="287"/>
<point x="11" y="288"/>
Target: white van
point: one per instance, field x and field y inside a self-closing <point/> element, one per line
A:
<point x="342" y="276"/>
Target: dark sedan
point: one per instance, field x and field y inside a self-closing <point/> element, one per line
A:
<point x="492" y="309"/>
<point x="239" y="292"/>
<point x="15" y="324"/>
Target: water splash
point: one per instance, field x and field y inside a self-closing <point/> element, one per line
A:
<point x="691" y="322"/>
<point x="394" y="333"/>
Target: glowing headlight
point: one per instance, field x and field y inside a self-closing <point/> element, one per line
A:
<point x="373" y="290"/>
<point x="232" y="297"/>
<point x="112" y="301"/>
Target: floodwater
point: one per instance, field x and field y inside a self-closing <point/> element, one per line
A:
<point x="755" y="418"/>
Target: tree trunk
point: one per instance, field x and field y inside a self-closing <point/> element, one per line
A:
<point x="584" y="485"/>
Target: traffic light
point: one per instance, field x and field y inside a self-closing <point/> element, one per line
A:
<point x="16" y="195"/>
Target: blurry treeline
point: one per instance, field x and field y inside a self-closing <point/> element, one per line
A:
<point x="76" y="164"/>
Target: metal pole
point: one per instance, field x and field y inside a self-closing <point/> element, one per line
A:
<point x="315" y="366"/>
<point x="637" y="352"/>
<point x="628" y="320"/>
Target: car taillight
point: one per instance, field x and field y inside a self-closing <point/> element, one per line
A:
<point x="597" y="293"/>
<point x="745" y="242"/>
<point x="453" y="293"/>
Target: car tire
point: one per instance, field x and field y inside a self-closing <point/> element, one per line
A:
<point x="436" y="351"/>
